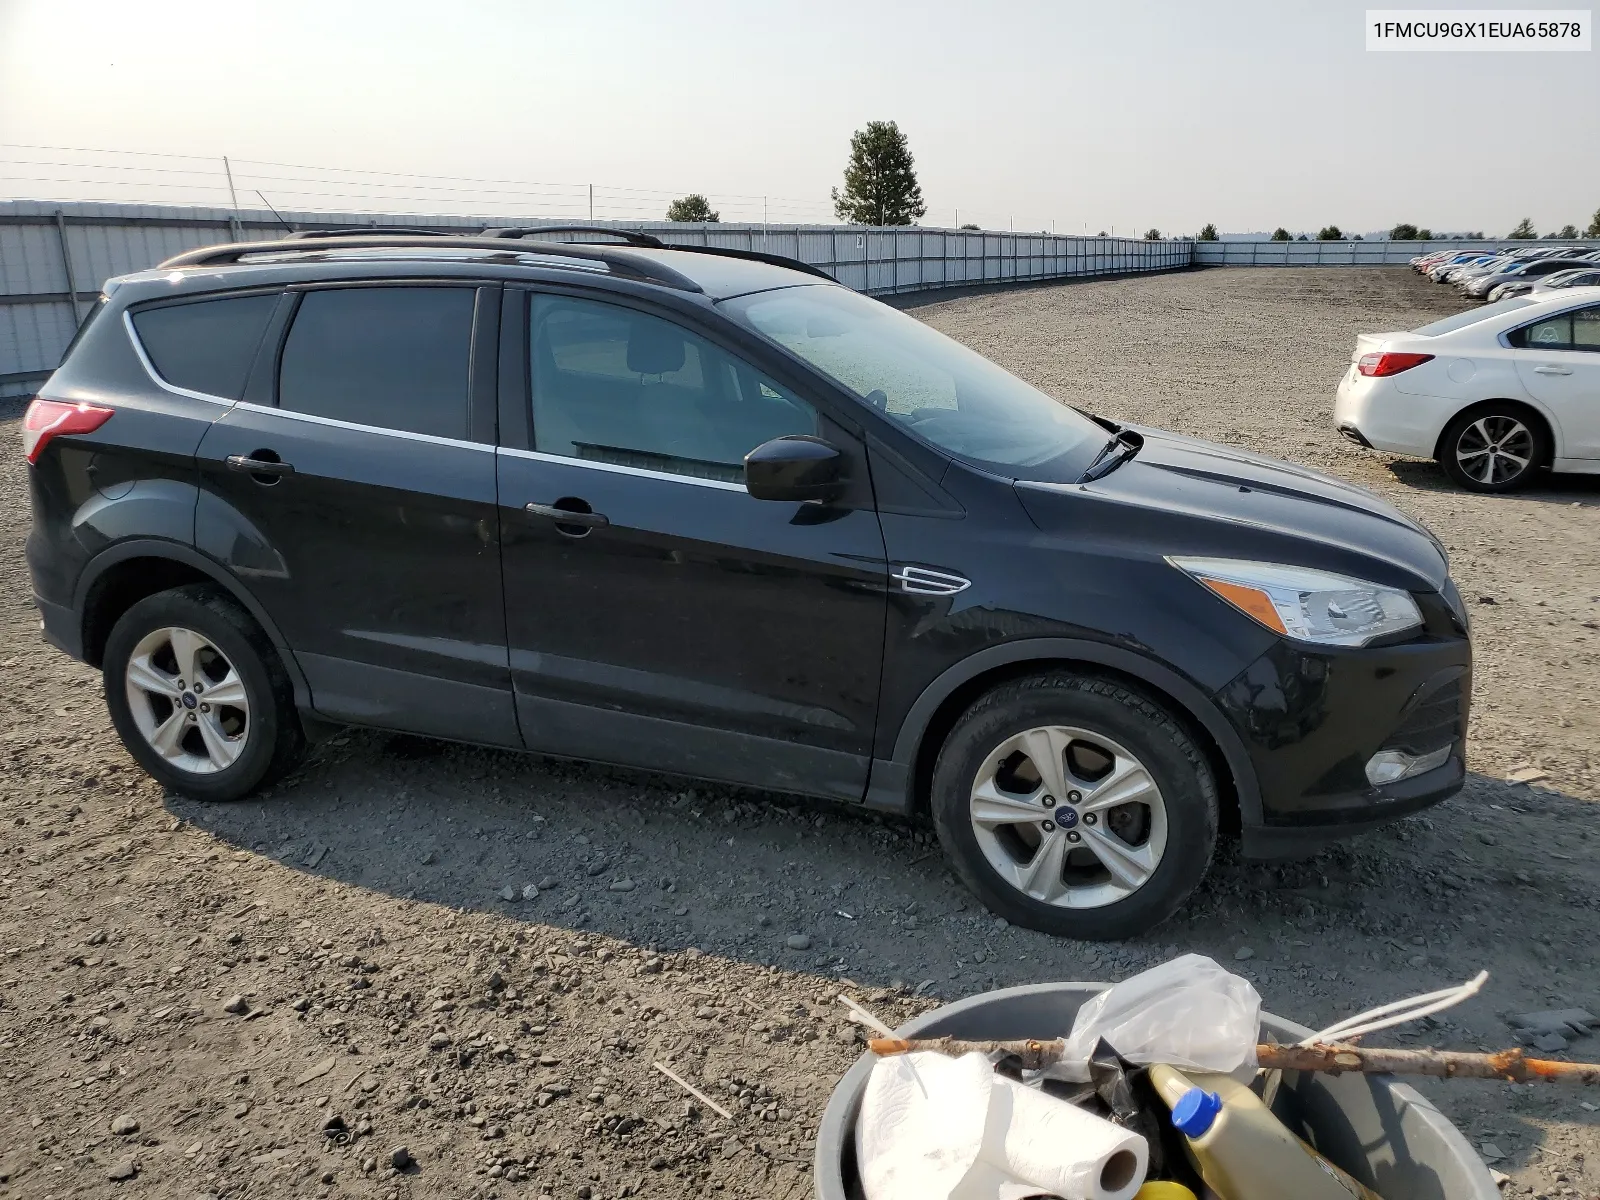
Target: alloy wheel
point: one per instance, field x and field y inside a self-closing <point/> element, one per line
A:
<point x="1494" y="450"/>
<point x="1069" y="817"/>
<point x="187" y="700"/>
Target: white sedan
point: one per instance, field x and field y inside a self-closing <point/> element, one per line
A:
<point x="1494" y="395"/>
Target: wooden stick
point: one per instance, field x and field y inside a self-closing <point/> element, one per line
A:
<point x="1333" y="1059"/>
<point x="694" y="1091"/>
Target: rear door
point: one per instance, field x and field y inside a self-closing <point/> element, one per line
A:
<point x="353" y="491"/>
<point x="1558" y="361"/>
<point x="677" y="623"/>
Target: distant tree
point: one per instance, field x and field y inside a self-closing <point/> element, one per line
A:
<point x="1424" y="234"/>
<point x="969" y="226"/>
<point x="693" y="207"/>
<point x="1302" y="238"/>
<point x="1152" y="235"/>
<point x="1404" y="232"/>
<point x="1208" y="233"/>
<point x="1102" y="233"/>
<point x="1280" y="234"/>
<point x="1594" y="226"/>
<point x="1356" y="237"/>
<point x="1330" y="233"/>
<point x="1567" y="231"/>
<point x="1524" y="231"/>
<point x="880" y="180"/>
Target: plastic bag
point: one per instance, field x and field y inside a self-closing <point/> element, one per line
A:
<point x="1188" y="1013"/>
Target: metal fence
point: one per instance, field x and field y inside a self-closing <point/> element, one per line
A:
<point x="55" y="256"/>
<point x="1339" y="254"/>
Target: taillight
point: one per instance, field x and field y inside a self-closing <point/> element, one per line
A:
<point x="46" y="419"/>
<point x="1389" y="363"/>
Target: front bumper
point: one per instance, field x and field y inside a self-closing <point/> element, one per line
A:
<point x="1310" y="719"/>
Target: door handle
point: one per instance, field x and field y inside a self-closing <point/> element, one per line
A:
<point x="566" y="516"/>
<point x="246" y="465"/>
<point x="1552" y="370"/>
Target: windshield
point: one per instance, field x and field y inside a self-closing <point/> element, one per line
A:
<point x="952" y="396"/>
<point x="1473" y="315"/>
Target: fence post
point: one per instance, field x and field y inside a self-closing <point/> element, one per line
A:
<point x="66" y="265"/>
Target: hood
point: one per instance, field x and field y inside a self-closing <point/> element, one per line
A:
<point x="1181" y="495"/>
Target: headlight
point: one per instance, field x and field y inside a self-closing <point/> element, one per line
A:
<point x="1310" y="606"/>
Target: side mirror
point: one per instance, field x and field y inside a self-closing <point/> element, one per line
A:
<point x="794" y="468"/>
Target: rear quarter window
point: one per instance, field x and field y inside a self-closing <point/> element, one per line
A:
<point x="205" y="345"/>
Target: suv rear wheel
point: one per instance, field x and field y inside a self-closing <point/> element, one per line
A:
<point x="198" y="696"/>
<point x="1076" y="806"/>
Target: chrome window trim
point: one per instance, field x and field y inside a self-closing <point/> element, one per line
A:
<point x="359" y="428"/>
<point x="155" y="376"/>
<point x="618" y="469"/>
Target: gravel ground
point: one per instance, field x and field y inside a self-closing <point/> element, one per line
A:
<point x="478" y="956"/>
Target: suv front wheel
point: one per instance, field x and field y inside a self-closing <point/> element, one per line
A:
<point x="198" y="696"/>
<point x="1076" y="806"/>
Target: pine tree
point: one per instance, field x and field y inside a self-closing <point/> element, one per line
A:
<point x="1524" y="230"/>
<point x="1208" y="233"/>
<point x="693" y="207"/>
<point x="880" y="182"/>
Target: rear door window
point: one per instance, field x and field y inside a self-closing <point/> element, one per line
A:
<point x="1577" y="330"/>
<point x="390" y="357"/>
<point x="207" y="345"/>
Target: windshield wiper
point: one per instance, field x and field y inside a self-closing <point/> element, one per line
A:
<point x="1113" y="454"/>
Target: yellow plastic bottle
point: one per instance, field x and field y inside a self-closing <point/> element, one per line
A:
<point x="1241" y="1149"/>
<point x="1163" y="1189"/>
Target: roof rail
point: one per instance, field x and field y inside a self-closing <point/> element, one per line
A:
<point x="630" y="236"/>
<point x="773" y="260"/>
<point x="363" y="231"/>
<point x="640" y="267"/>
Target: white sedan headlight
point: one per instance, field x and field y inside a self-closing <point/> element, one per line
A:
<point x="1307" y="605"/>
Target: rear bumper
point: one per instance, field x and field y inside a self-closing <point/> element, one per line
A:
<point x="1375" y="414"/>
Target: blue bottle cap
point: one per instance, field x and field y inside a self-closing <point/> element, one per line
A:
<point x="1195" y="1112"/>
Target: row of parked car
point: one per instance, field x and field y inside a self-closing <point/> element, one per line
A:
<point x="1497" y="275"/>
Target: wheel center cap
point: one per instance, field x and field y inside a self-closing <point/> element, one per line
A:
<point x="1065" y="817"/>
<point x="189" y="701"/>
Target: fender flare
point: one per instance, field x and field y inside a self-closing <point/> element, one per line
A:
<point x="898" y="773"/>
<point x="212" y="569"/>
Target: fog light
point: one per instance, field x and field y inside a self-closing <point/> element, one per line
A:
<point x="1391" y="766"/>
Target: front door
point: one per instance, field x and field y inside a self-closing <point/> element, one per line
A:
<point x="1558" y="361"/>
<point x="658" y="615"/>
<point x="355" y="498"/>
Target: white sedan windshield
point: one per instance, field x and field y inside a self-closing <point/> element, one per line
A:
<point x="950" y="395"/>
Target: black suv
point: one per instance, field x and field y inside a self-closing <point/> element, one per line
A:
<point x="710" y="513"/>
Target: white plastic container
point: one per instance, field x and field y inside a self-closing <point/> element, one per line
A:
<point x="1241" y="1149"/>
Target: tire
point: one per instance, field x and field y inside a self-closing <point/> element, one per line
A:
<point x="199" y="638"/>
<point x="1493" y="437"/>
<point x="993" y="842"/>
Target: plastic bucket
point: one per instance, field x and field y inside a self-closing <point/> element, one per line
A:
<point x="1384" y="1133"/>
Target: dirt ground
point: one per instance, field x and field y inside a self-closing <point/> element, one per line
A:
<point x="190" y="994"/>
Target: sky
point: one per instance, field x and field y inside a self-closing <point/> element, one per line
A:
<point x="1119" y="115"/>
